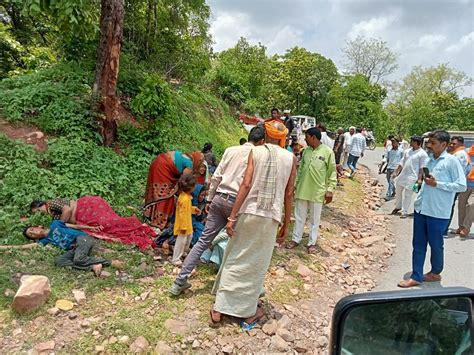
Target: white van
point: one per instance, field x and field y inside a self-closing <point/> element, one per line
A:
<point x="305" y="122"/>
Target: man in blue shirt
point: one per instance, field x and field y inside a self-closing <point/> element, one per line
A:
<point x="433" y="208"/>
<point x="77" y="243"/>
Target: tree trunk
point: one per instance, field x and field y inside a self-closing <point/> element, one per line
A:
<point x="107" y="68"/>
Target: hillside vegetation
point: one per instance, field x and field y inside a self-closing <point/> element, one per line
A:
<point x="57" y="101"/>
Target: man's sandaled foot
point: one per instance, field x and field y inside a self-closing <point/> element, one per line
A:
<point x="395" y="211"/>
<point x="408" y="283"/>
<point x="216" y="317"/>
<point x="312" y="249"/>
<point x="291" y="245"/>
<point x="258" y="314"/>
<point x="464" y="232"/>
<point x="97" y="269"/>
<point x="431" y="277"/>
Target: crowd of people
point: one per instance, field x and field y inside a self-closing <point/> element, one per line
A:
<point x="231" y="212"/>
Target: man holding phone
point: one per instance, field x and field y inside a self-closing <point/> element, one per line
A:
<point x="443" y="177"/>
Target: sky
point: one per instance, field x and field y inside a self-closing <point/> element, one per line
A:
<point x="420" y="32"/>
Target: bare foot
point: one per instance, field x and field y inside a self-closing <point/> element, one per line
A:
<point x="97" y="269"/>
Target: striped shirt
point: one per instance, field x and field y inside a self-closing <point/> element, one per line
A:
<point x="357" y="145"/>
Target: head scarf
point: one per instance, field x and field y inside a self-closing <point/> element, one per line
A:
<point x="197" y="190"/>
<point x="276" y="130"/>
<point x="197" y="158"/>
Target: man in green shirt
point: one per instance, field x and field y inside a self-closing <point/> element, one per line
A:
<point x="315" y="184"/>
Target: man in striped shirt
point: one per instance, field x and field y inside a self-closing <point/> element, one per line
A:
<point x="356" y="151"/>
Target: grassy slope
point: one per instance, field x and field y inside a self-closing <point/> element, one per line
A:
<point x="57" y="101"/>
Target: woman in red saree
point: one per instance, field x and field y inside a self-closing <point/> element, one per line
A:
<point x="162" y="184"/>
<point x="95" y="216"/>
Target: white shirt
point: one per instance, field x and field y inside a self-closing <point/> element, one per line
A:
<point x="412" y="162"/>
<point x="463" y="159"/>
<point x="404" y="145"/>
<point x="347" y="141"/>
<point x="230" y="172"/>
<point x="326" y="140"/>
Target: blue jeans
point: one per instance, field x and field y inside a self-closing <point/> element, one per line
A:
<point x="352" y="162"/>
<point x="427" y="230"/>
<point x="391" y="183"/>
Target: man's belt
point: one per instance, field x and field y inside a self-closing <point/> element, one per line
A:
<point x="226" y="197"/>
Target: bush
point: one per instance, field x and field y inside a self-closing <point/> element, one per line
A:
<point x="54" y="99"/>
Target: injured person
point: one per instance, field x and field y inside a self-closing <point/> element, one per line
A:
<point x="78" y="244"/>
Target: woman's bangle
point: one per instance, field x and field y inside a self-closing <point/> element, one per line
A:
<point x="231" y="219"/>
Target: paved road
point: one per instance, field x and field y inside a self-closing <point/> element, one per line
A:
<point x="459" y="253"/>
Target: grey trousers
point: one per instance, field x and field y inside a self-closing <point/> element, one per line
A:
<point x="79" y="257"/>
<point x="465" y="209"/>
<point x="219" y="211"/>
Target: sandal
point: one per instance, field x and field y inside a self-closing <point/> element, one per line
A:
<point x="395" y="211"/>
<point x="291" y="245"/>
<point x="464" y="233"/>
<point x="213" y="320"/>
<point x="431" y="277"/>
<point x="408" y="283"/>
<point x="312" y="249"/>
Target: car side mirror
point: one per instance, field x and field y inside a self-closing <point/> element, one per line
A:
<point x="433" y="321"/>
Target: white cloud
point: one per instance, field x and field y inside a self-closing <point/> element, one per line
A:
<point x="465" y="41"/>
<point x="286" y="38"/>
<point x="431" y="42"/>
<point x="373" y="27"/>
<point x="227" y="28"/>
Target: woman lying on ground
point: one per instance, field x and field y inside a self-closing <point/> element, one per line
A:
<point x="162" y="184"/>
<point x="94" y="215"/>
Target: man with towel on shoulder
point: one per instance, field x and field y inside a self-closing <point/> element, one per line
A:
<point x="253" y="227"/>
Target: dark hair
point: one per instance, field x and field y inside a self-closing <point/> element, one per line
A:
<point x="314" y="132"/>
<point x="187" y="182"/>
<point x="440" y="135"/>
<point x="358" y="130"/>
<point x="460" y="139"/>
<point x="391" y="136"/>
<point x="395" y="139"/>
<point x="275" y="109"/>
<point x="256" y="134"/>
<point x="25" y="233"/>
<point x="207" y="147"/>
<point x="242" y="141"/>
<point x="36" y="204"/>
<point x="417" y="139"/>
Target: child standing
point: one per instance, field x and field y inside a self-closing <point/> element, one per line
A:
<point x="183" y="226"/>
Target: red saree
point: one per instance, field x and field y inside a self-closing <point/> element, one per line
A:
<point x="161" y="186"/>
<point x="95" y="211"/>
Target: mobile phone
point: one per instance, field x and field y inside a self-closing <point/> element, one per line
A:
<point x="426" y="172"/>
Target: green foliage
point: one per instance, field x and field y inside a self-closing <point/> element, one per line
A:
<point x="55" y="99"/>
<point x="356" y="101"/>
<point x="153" y="99"/>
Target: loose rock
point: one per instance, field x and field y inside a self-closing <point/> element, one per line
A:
<point x="49" y="345"/>
<point x="79" y="296"/>
<point x="140" y="345"/>
<point x="124" y="339"/>
<point x="64" y="305"/>
<point x="322" y="341"/>
<point x="278" y="344"/>
<point x="33" y="292"/>
<point x="304" y="271"/>
<point x="53" y="311"/>
<point x="285" y="335"/>
<point x="163" y="348"/>
<point x="270" y="327"/>
<point x="176" y="327"/>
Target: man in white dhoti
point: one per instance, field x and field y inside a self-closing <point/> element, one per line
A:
<point x="253" y="225"/>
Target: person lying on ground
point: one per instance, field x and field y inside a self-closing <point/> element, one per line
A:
<point x="65" y="236"/>
<point x="95" y="212"/>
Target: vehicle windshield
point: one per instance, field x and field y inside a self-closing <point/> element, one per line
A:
<point x="439" y="326"/>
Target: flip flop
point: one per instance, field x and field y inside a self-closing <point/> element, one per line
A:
<point x="248" y="326"/>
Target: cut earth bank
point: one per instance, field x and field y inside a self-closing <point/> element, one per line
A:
<point x="130" y="309"/>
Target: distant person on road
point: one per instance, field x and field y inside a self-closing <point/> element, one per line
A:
<point x="394" y="157"/>
<point x="225" y="184"/>
<point x="316" y="183"/>
<point x="325" y="139"/>
<point x="433" y="208"/>
<point x="407" y="174"/>
<point x="265" y="196"/>
<point x="289" y="122"/>
<point x="404" y="145"/>
<point x="339" y="145"/>
<point x="347" y="146"/>
<point x="356" y="151"/>
<point x="466" y="209"/>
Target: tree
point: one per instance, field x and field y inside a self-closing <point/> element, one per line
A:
<point x="369" y="57"/>
<point x="354" y="101"/>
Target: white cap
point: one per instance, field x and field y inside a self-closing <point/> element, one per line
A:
<point x="286" y="111"/>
